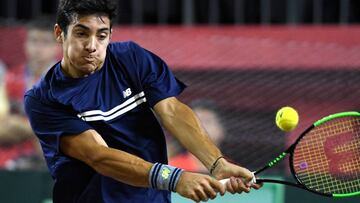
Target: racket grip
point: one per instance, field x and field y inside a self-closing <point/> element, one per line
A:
<point x="224" y="181"/>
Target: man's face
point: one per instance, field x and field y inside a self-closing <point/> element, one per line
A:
<point x="40" y="48"/>
<point x="84" y="47"/>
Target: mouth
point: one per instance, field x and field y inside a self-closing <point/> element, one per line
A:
<point x="89" y="58"/>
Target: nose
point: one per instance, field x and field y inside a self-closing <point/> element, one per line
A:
<point x="91" y="45"/>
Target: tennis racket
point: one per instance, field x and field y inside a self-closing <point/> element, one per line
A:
<point x="325" y="159"/>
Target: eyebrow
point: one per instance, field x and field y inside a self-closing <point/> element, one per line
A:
<point x="87" y="28"/>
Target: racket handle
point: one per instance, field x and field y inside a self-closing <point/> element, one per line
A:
<point x="224" y="181"/>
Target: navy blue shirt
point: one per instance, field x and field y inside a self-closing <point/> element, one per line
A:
<point x="115" y="101"/>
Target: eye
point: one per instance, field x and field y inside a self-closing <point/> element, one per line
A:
<point x="80" y="34"/>
<point x="103" y="36"/>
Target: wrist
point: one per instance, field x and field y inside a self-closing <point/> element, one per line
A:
<point x="216" y="164"/>
<point x="164" y="177"/>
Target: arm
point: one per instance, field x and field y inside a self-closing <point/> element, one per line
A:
<point x="90" y="148"/>
<point x="182" y="123"/>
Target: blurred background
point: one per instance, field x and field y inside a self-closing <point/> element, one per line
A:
<point x="241" y="59"/>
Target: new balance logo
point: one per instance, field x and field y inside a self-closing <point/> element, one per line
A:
<point x="127" y="92"/>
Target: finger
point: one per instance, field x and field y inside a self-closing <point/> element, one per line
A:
<point x="245" y="188"/>
<point x="244" y="172"/>
<point x="233" y="183"/>
<point x="248" y="180"/>
<point x="238" y="188"/>
<point x="195" y="197"/>
<point x="219" y="187"/>
<point x="229" y="186"/>
<point x="257" y="185"/>
<point x="201" y="194"/>
<point x="247" y="175"/>
<point x="236" y="185"/>
<point x="209" y="190"/>
<point x="242" y="186"/>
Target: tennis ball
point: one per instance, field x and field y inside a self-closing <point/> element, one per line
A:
<point x="287" y="118"/>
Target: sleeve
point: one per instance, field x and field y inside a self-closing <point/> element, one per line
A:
<point x="50" y="122"/>
<point x="157" y="80"/>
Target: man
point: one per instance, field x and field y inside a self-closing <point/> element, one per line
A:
<point x="94" y="115"/>
<point x="19" y="148"/>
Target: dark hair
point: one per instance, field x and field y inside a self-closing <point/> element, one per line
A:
<point x="68" y="10"/>
<point x="44" y="23"/>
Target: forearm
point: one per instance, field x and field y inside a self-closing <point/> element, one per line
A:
<point x="90" y="148"/>
<point x="121" y="166"/>
<point x="182" y="123"/>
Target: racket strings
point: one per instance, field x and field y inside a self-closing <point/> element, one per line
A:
<point x="327" y="159"/>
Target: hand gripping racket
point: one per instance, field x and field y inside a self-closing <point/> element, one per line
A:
<point x="325" y="159"/>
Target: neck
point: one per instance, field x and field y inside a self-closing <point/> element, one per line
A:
<point x="68" y="71"/>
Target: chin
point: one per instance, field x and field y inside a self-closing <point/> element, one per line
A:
<point x="88" y="68"/>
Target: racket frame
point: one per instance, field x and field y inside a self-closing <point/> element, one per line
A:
<point x="291" y="150"/>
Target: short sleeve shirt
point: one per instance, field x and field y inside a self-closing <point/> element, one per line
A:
<point x="115" y="101"/>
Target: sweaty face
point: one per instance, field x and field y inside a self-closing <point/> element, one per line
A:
<point x="84" y="46"/>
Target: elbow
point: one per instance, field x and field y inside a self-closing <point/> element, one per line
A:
<point x="87" y="147"/>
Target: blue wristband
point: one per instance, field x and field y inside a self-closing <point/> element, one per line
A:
<point x="164" y="177"/>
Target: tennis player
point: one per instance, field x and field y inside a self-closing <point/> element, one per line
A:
<point x="95" y="113"/>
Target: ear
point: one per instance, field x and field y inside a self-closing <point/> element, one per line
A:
<point x="58" y="33"/>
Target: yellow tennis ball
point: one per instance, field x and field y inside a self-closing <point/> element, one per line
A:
<point x="287" y="118"/>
